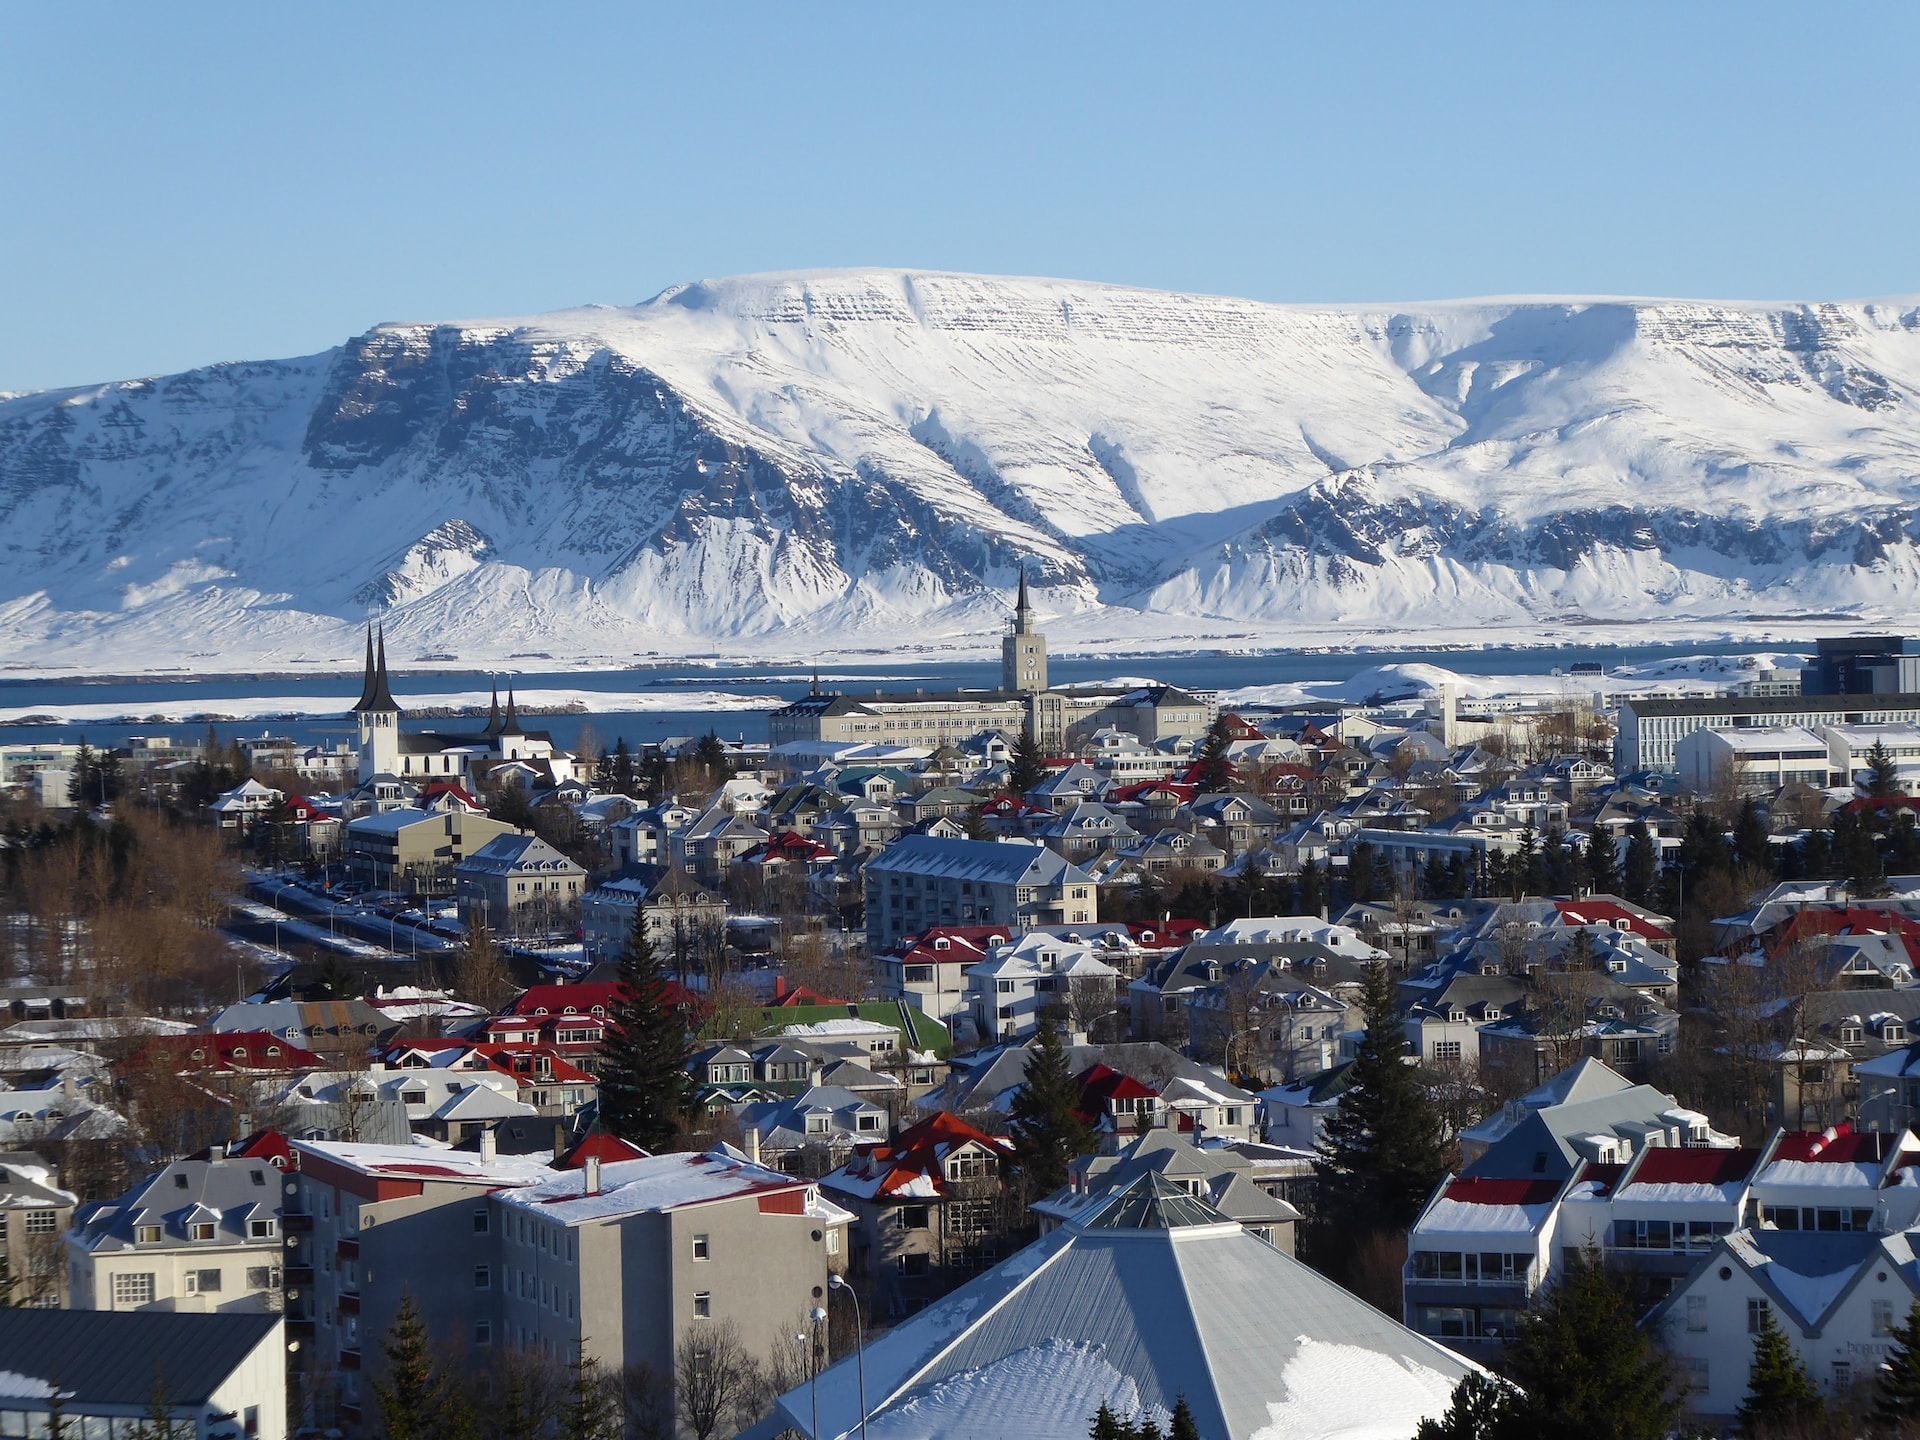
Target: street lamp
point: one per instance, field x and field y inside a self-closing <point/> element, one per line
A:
<point x="835" y="1282"/>
<point x="819" y="1317"/>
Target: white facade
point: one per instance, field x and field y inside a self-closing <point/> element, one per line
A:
<point x="1007" y="992"/>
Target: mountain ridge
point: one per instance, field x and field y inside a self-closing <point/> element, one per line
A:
<point x="831" y="458"/>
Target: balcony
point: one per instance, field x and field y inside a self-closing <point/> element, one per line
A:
<point x="298" y="1275"/>
<point x="350" y="1359"/>
<point x="347" y="1249"/>
<point x="294" y="1223"/>
<point x="299" y="1327"/>
<point x="349" y="1304"/>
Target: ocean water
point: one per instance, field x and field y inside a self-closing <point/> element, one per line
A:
<point x="779" y="683"/>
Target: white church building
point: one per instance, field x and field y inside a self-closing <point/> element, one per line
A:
<point x="423" y="757"/>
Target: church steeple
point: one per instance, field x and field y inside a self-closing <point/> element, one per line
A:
<point x="1023" y="608"/>
<point x="1023" y="649"/>
<point x="493" y="712"/>
<point x="512" y="725"/>
<point x="376" y="696"/>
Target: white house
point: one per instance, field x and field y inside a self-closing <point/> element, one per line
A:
<point x="1007" y="991"/>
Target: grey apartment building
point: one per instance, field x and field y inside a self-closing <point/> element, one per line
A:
<point x="921" y="881"/>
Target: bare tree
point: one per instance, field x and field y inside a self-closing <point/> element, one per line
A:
<point x="714" y="1379"/>
<point x="646" y="1403"/>
<point x="480" y="974"/>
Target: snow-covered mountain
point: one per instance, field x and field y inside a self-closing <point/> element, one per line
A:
<point x="850" y="458"/>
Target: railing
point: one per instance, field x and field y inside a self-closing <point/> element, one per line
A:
<point x="1525" y="1279"/>
<point x="295" y="1223"/>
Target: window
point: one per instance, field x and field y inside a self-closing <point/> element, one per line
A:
<point x="833" y="1242"/>
<point x="260" y="1229"/>
<point x="1883" y="1317"/>
<point x="1842" y="1375"/>
<point x="480" y="1221"/>
<point x="263" y="1277"/>
<point x="482" y="1277"/>
<point x="1696" y="1312"/>
<point x="260" y="1176"/>
<point x="1446" y="1050"/>
<point x="200" y="1231"/>
<point x="42" y="1222"/>
<point x="250" y="1420"/>
<point x="913" y="1217"/>
<point x="703" y="1305"/>
<point x="700" y="1248"/>
<point x="1758" y="1312"/>
<point x="147" y="1234"/>
<point x="132" y="1290"/>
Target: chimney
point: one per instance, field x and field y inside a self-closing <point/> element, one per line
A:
<point x="753" y="1145"/>
<point x="488" y="1150"/>
<point x="593" y="1176"/>
<point x="559" y="1141"/>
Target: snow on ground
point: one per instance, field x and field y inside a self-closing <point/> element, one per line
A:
<point x="1348" y="1392"/>
<point x="1690" y="674"/>
<point x="255" y="707"/>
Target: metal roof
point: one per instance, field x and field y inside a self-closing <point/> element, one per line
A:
<point x="111" y="1357"/>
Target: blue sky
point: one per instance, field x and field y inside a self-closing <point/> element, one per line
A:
<point x="186" y="184"/>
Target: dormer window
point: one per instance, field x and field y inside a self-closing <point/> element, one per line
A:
<point x="1849" y="1034"/>
<point x="1893" y="1033"/>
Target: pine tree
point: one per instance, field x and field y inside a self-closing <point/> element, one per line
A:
<point x="1045" y="1116"/>
<point x="645" y="1086"/>
<point x="1106" y="1425"/>
<point x="1750" y="843"/>
<point x="1883" y="776"/>
<point x="1383" y="1147"/>
<point x="1601" y="864"/>
<point x="1183" y="1426"/>
<point x="1026" y="769"/>
<point x="1311" y="890"/>
<point x="412" y="1395"/>
<point x="1585" y="1369"/>
<point x="1779" y="1391"/>
<point x="1642" y="871"/>
<point x="1212" y="771"/>
<point x="1360" y="871"/>
<point x="1482" y="1408"/>
<point x="1897" y="1396"/>
<point x="1558" y="866"/>
<point x="589" y="1411"/>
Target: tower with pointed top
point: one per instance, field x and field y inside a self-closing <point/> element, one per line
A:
<point x="377" y="713"/>
<point x="1023" y="650"/>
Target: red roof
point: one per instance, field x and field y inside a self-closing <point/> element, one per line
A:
<point x="1150" y="787"/>
<point x="1002" y="806"/>
<point x="788" y="847"/>
<point x="786" y="996"/>
<point x="1842" y="1145"/>
<point x="235" y="1049"/>
<point x="598" y="1145"/>
<point x="452" y="788"/>
<point x="1879" y="804"/>
<point x="1603" y="1177"/>
<point x="965" y="944"/>
<point x="1101" y="1085"/>
<point x="1503" y="1192"/>
<point x="500" y="1056"/>
<point x="580" y="997"/>
<point x="268" y="1145"/>
<point x="1662" y="1165"/>
<point x="920" y="1152"/>
<point x="1606" y="912"/>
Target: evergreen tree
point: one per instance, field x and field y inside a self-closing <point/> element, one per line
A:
<point x="1779" y="1392"/>
<point x="1461" y="881"/>
<point x="1026" y="768"/>
<point x="1601" y="864"/>
<point x="621" y="767"/>
<point x="1360" y="871"/>
<point x="1816" y="855"/>
<point x="1183" y="1426"/>
<point x="1436" y="877"/>
<point x="1750" y="843"/>
<point x="1482" y="1408"/>
<point x="1856" y="856"/>
<point x="1883" y="778"/>
<point x="414" y="1397"/>
<point x="589" y="1413"/>
<point x="645" y="1086"/>
<point x="1585" y="1369"/>
<point x="711" y="755"/>
<point x="1212" y="771"/>
<point x="1897" y="1396"/>
<point x="1558" y="866"/>
<point x="1045" y="1116"/>
<point x="1107" y="1425"/>
<point x="1310" y="890"/>
<point x="1383" y="1147"/>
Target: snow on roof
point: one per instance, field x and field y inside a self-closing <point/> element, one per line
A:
<point x="428" y="1159"/>
<point x="1473" y="1207"/>
<point x="840" y="1028"/>
<point x="661" y="1182"/>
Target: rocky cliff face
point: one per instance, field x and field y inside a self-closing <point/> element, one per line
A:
<point x="868" y="456"/>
